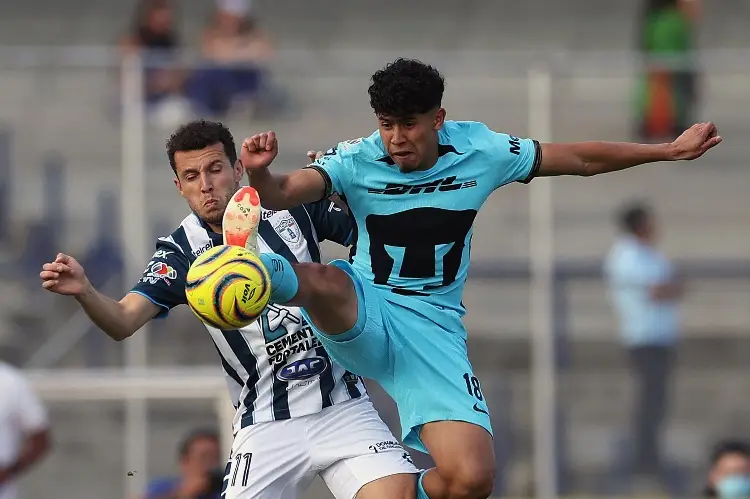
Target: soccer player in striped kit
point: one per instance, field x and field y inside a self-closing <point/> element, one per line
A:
<point x="298" y="413"/>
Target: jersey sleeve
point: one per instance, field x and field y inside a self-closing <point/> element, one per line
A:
<point x="331" y="222"/>
<point x="163" y="279"/>
<point x="30" y="412"/>
<point x="512" y="159"/>
<point x="336" y="168"/>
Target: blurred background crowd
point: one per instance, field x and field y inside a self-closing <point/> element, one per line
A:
<point x="651" y="266"/>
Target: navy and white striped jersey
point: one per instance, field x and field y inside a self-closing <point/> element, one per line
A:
<point x="275" y="368"/>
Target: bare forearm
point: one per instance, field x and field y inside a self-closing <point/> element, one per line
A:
<point x="283" y="192"/>
<point x="594" y="158"/>
<point x="107" y="314"/>
<point x="605" y="157"/>
<point x="270" y="189"/>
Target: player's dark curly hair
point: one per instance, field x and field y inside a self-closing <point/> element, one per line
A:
<point x="406" y="87"/>
<point x="197" y="135"/>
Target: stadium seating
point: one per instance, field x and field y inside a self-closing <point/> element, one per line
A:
<point x="324" y="61"/>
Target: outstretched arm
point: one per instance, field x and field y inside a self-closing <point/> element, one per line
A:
<point x="279" y="192"/>
<point x="119" y="319"/>
<point x="592" y="158"/>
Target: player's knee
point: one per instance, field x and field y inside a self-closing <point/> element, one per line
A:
<point x="470" y="480"/>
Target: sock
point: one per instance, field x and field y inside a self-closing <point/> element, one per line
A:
<point x="421" y="494"/>
<point x="284" y="283"/>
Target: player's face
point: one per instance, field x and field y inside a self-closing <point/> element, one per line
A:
<point x="728" y="465"/>
<point x="207" y="181"/>
<point x="412" y="141"/>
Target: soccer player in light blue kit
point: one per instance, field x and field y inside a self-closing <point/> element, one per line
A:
<point x="393" y="313"/>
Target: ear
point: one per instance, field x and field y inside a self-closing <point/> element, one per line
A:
<point x="239" y="171"/>
<point x="439" y="119"/>
<point x="177" y="184"/>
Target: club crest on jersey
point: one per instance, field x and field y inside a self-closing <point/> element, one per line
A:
<point x="159" y="271"/>
<point x="347" y="144"/>
<point x="287" y="228"/>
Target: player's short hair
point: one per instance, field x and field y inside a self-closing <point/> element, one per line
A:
<point x="406" y="87"/>
<point x="199" y="134"/>
<point x="194" y="436"/>
<point x="632" y="217"/>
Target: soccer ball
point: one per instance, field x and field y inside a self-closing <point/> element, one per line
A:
<point x="227" y="287"/>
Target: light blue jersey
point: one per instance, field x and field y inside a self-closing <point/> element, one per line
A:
<point x="414" y="229"/>
<point x="410" y="265"/>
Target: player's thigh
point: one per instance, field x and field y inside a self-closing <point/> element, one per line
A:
<point x="328" y="296"/>
<point x="364" y="349"/>
<point x="433" y="379"/>
<point x="268" y="462"/>
<point x="358" y="455"/>
<point x="372" y="476"/>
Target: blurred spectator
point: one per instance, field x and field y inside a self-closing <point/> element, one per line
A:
<point x="236" y="52"/>
<point x="668" y="90"/>
<point x="154" y="37"/>
<point x="201" y="475"/>
<point x="645" y="293"/>
<point x="24" y="430"/>
<point x="729" y="476"/>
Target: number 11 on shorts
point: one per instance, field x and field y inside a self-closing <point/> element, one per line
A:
<point x="247" y="457"/>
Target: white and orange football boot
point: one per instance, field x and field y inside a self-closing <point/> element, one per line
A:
<point x="241" y="220"/>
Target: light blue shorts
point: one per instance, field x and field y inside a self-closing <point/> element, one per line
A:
<point x="416" y="352"/>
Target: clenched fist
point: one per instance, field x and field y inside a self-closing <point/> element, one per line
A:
<point x="259" y="151"/>
<point x="64" y="276"/>
<point x="695" y="141"/>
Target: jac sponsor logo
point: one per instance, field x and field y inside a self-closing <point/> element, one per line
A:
<point x="198" y="252"/>
<point x="302" y="369"/>
<point x="440" y="185"/>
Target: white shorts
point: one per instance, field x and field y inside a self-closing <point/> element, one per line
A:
<point x="347" y="444"/>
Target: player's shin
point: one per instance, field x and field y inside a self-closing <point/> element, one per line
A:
<point x="284" y="283"/>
